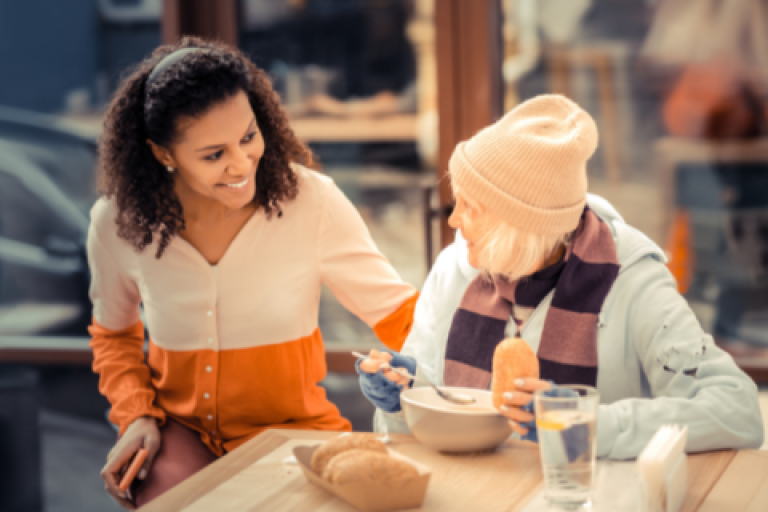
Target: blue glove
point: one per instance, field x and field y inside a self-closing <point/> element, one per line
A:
<point x="575" y="439"/>
<point x="532" y="434"/>
<point x="381" y="391"/>
<point x="553" y="392"/>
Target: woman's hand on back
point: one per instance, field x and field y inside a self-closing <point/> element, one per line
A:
<point x="142" y="433"/>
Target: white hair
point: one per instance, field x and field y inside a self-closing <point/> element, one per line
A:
<point x="510" y="252"/>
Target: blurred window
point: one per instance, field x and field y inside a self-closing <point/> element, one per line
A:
<point x="678" y="90"/>
<point x="46" y="190"/>
<point x="356" y="78"/>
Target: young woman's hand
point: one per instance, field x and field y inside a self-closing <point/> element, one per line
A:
<point x="518" y="406"/>
<point x="142" y="433"/>
<point x="383" y="387"/>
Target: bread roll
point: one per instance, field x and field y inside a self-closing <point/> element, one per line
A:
<point x="368" y="467"/>
<point x="512" y="359"/>
<point x="329" y="449"/>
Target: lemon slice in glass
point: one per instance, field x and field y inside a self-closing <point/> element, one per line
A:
<point x="553" y="420"/>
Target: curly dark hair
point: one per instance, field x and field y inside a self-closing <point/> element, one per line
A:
<point x="143" y="190"/>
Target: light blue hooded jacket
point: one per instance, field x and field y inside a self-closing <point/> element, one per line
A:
<point x="656" y="366"/>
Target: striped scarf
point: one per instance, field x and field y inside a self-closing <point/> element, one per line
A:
<point x="568" y="348"/>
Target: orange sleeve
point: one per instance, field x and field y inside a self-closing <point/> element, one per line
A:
<point x="394" y="329"/>
<point x="124" y="377"/>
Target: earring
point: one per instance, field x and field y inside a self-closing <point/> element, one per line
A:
<point x="170" y="169"/>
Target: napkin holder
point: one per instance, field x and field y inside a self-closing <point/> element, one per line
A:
<point x="370" y="497"/>
<point x="663" y="468"/>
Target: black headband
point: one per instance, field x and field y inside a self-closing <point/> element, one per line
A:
<point x="169" y="61"/>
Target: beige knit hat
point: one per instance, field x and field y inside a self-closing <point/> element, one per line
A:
<point x="529" y="168"/>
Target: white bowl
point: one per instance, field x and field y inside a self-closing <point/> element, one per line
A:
<point x="453" y="428"/>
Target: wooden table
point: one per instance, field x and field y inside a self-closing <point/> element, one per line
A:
<point x="253" y="477"/>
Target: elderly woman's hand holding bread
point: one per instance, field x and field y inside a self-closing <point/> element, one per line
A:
<point x="515" y="378"/>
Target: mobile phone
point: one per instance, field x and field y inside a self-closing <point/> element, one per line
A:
<point x="133" y="469"/>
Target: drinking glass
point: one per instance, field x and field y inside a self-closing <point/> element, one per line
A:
<point x="565" y="419"/>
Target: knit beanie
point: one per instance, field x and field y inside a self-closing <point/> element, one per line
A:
<point x="529" y="168"/>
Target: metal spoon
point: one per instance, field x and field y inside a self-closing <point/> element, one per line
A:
<point x="456" y="398"/>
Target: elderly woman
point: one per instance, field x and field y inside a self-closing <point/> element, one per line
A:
<point x="535" y="256"/>
<point x="213" y="222"/>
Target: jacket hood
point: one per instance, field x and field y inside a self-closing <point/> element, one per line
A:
<point x="631" y="244"/>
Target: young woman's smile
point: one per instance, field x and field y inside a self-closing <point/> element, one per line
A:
<point x="218" y="155"/>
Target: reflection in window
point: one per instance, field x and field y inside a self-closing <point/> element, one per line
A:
<point x="678" y="90"/>
<point x="348" y="72"/>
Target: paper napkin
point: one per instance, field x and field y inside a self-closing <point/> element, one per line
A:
<point x="663" y="470"/>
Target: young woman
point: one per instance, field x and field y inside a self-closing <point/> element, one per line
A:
<point x="212" y="220"/>
<point x="536" y="257"/>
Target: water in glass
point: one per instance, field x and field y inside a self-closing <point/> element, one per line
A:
<point x="567" y="444"/>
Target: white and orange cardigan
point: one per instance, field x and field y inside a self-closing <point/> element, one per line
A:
<point x="235" y="348"/>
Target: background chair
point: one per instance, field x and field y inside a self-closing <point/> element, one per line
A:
<point x="723" y="190"/>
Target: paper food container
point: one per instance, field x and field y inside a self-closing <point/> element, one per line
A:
<point x="369" y="497"/>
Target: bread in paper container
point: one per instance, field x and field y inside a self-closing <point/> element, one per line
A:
<point x="367" y="467"/>
<point x="329" y="449"/>
<point x="379" y="487"/>
<point x="512" y="359"/>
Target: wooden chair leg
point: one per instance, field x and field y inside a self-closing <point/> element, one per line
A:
<point x="427" y="212"/>
<point x="610" y="135"/>
<point x="559" y="73"/>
